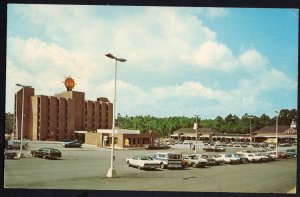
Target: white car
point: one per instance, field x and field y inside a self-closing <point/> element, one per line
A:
<point x="263" y="158"/>
<point x="16" y="144"/>
<point x="218" y="159"/>
<point x="143" y="162"/>
<point x="245" y="151"/>
<point x="194" y="161"/>
<point x="211" y="159"/>
<point x="230" y="158"/>
<point x="273" y="154"/>
<point x="251" y="157"/>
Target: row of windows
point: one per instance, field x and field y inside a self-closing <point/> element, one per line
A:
<point x="138" y="140"/>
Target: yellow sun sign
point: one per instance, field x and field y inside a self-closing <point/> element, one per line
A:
<point x="69" y="83"/>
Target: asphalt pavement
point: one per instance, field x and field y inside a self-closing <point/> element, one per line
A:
<point x="86" y="168"/>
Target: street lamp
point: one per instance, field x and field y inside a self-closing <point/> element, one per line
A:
<point x="112" y="172"/>
<point x="21" y="155"/>
<point x="277" y="132"/>
<point x="250" y="117"/>
<point x="196" y="127"/>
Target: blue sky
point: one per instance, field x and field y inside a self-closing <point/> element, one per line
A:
<point x="181" y="61"/>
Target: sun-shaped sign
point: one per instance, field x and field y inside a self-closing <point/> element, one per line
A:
<point x="69" y="83"/>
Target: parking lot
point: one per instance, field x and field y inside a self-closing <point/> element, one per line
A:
<point x="86" y="168"/>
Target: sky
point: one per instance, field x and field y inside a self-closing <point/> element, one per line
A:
<point x="180" y="61"/>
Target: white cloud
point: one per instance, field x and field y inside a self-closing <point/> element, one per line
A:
<point x="154" y="36"/>
<point x="253" y="61"/>
<point x="155" y="41"/>
<point x="217" y="12"/>
<point x="187" y="89"/>
<point x="215" y="56"/>
<point x="276" y="79"/>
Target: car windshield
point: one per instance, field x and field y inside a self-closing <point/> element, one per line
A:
<point x="193" y="157"/>
<point x="146" y="158"/>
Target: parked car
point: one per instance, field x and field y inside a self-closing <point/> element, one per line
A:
<point x="230" y="158"/>
<point x="46" y="153"/>
<point x="282" y="155"/>
<point x="218" y="159"/>
<point x="16" y="144"/>
<point x="291" y="152"/>
<point x="268" y="154"/>
<point x="245" y="151"/>
<point x="9" y="154"/>
<point x="73" y="144"/>
<point x="143" y="162"/>
<point x="214" y="149"/>
<point x="243" y="158"/>
<point x="262" y="157"/>
<point x="211" y="159"/>
<point x="250" y="157"/>
<point x="194" y="161"/>
<point x="169" y="160"/>
<point x="285" y="145"/>
<point x="273" y="155"/>
<point x="272" y="145"/>
<point x="157" y="147"/>
<point x="230" y="145"/>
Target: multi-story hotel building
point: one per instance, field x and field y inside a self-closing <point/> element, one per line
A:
<point x="58" y="117"/>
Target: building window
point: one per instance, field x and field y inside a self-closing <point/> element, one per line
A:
<point x="115" y="140"/>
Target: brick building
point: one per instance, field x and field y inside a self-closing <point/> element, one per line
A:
<point x="123" y="138"/>
<point x="58" y="117"/>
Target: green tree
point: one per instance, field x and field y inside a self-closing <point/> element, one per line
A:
<point x="9" y="122"/>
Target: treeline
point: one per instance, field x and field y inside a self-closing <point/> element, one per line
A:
<point x="229" y="124"/>
<point x="165" y="126"/>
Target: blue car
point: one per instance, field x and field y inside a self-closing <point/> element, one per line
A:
<point x="73" y="144"/>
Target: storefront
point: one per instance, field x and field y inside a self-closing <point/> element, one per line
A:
<point x="122" y="138"/>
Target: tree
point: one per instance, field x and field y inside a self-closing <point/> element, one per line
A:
<point x="9" y="122"/>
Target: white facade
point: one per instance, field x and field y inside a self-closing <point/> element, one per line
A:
<point x="119" y="131"/>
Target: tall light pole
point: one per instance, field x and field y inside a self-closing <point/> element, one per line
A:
<point x="21" y="155"/>
<point x="250" y="117"/>
<point x="277" y="113"/>
<point x="196" y="128"/>
<point x="112" y="172"/>
<point x="16" y="117"/>
<point x="196" y="116"/>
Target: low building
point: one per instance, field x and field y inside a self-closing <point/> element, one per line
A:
<point x="123" y="138"/>
<point x="203" y="134"/>
<point x="285" y="134"/>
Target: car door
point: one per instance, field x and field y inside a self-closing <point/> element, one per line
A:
<point x="135" y="161"/>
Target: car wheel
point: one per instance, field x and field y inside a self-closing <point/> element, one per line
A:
<point x="194" y="165"/>
<point x="33" y="154"/>
<point x="162" y="166"/>
<point x="139" y="167"/>
<point x="128" y="164"/>
<point x="44" y="156"/>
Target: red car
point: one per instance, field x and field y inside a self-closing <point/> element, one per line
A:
<point x="282" y="155"/>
